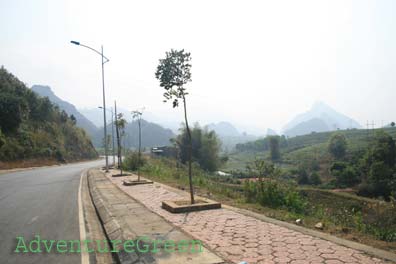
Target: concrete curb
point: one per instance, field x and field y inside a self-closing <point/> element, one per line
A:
<point x="94" y="229"/>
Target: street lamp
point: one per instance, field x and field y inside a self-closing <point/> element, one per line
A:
<point x="112" y="131"/>
<point x="104" y="60"/>
<point x="138" y="115"/>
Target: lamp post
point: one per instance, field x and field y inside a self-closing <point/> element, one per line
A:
<point x="112" y="132"/>
<point x="104" y="60"/>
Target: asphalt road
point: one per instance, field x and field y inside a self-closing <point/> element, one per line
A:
<point x="40" y="202"/>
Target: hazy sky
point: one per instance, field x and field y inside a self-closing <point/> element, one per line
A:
<point x="255" y="63"/>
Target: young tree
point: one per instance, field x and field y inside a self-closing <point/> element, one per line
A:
<point x="337" y="145"/>
<point x="173" y="73"/>
<point x="264" y="169"/>
<point x="138" y="115"/>
<point x="120" y="129"/>
<point x="274" y="148"/>
<point x="117" y="133"/>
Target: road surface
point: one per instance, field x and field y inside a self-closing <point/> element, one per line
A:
<point x="44" y="202"/>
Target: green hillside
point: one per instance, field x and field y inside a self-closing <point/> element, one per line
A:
<point x="303" y="148"/>
<point x="31" y="127"/>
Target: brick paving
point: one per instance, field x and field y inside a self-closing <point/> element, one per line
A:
<point x="237" y="237"/>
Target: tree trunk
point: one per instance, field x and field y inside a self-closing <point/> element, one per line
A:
<point x="121" y="151"/>
<point x="140" y="145"/>
<point x="189" y="152"/>
<point x="118" y="140"/>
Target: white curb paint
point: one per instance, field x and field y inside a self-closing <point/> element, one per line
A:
<point x="83" y="237"/>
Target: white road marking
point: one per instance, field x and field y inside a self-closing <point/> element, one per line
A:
<point x="83" y="237"/>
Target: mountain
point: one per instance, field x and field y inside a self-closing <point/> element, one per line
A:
<point x="307" y="127"/>
<point x="271" y="132"/>
<point x="31" y="127"/>
<point x="229" y="135"/>
<point x="95" y="115"/>
<point x="224" y="129"/>
<point x="82" y="121"/>
<point x="153" y="135"/>
<point x="319" y="118"/>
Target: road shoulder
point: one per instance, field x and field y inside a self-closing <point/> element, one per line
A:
<point x="93" y="228"/>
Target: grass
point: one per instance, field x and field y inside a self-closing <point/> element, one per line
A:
<point x="363" y="220"/>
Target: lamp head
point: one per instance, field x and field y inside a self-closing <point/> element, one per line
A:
<point x="75" y="42"/>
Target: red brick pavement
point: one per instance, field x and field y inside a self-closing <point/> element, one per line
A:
<point x="238" y="237"/>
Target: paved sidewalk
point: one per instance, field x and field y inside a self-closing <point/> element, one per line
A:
<point x="238" y="237"/>
<point x="124" y="219"/>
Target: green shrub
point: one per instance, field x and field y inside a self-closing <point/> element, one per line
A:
<point x="315" y="178"/>
<point x="274" y="194"/>
<point x="11" y="150"/>
<point x="2" y="139"/>
<point x="132" y="162"/>
<point x="302" y="176"/>
<point x="346" y="175"/>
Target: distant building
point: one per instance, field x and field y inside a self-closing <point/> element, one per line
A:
<point x="221" y="173"/>
<point x="164" y="151"/>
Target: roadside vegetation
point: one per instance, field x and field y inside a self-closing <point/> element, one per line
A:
<point x="292" y="190"/>
<point x="358" y="161"/>
<point x="32" y="128"/>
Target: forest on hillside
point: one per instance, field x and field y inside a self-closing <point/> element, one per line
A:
<point x="32" y="127"/>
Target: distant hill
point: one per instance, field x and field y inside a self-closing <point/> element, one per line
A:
<point x="31" y="127"/>
<point x="153" y="135"/>
<point x="229" y="135"/>
<point x="271" y="132"/>
<point x="82" y="121"/>
<point x="307" y="127"/>
<point x="319" y="118"/>
<point x="95" y="115"/>
<point x="224" y="129"/>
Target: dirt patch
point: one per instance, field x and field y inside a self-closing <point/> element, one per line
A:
<point x="27" y="163"/>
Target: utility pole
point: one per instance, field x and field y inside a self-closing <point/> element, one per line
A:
<point x="112" y="132"/>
